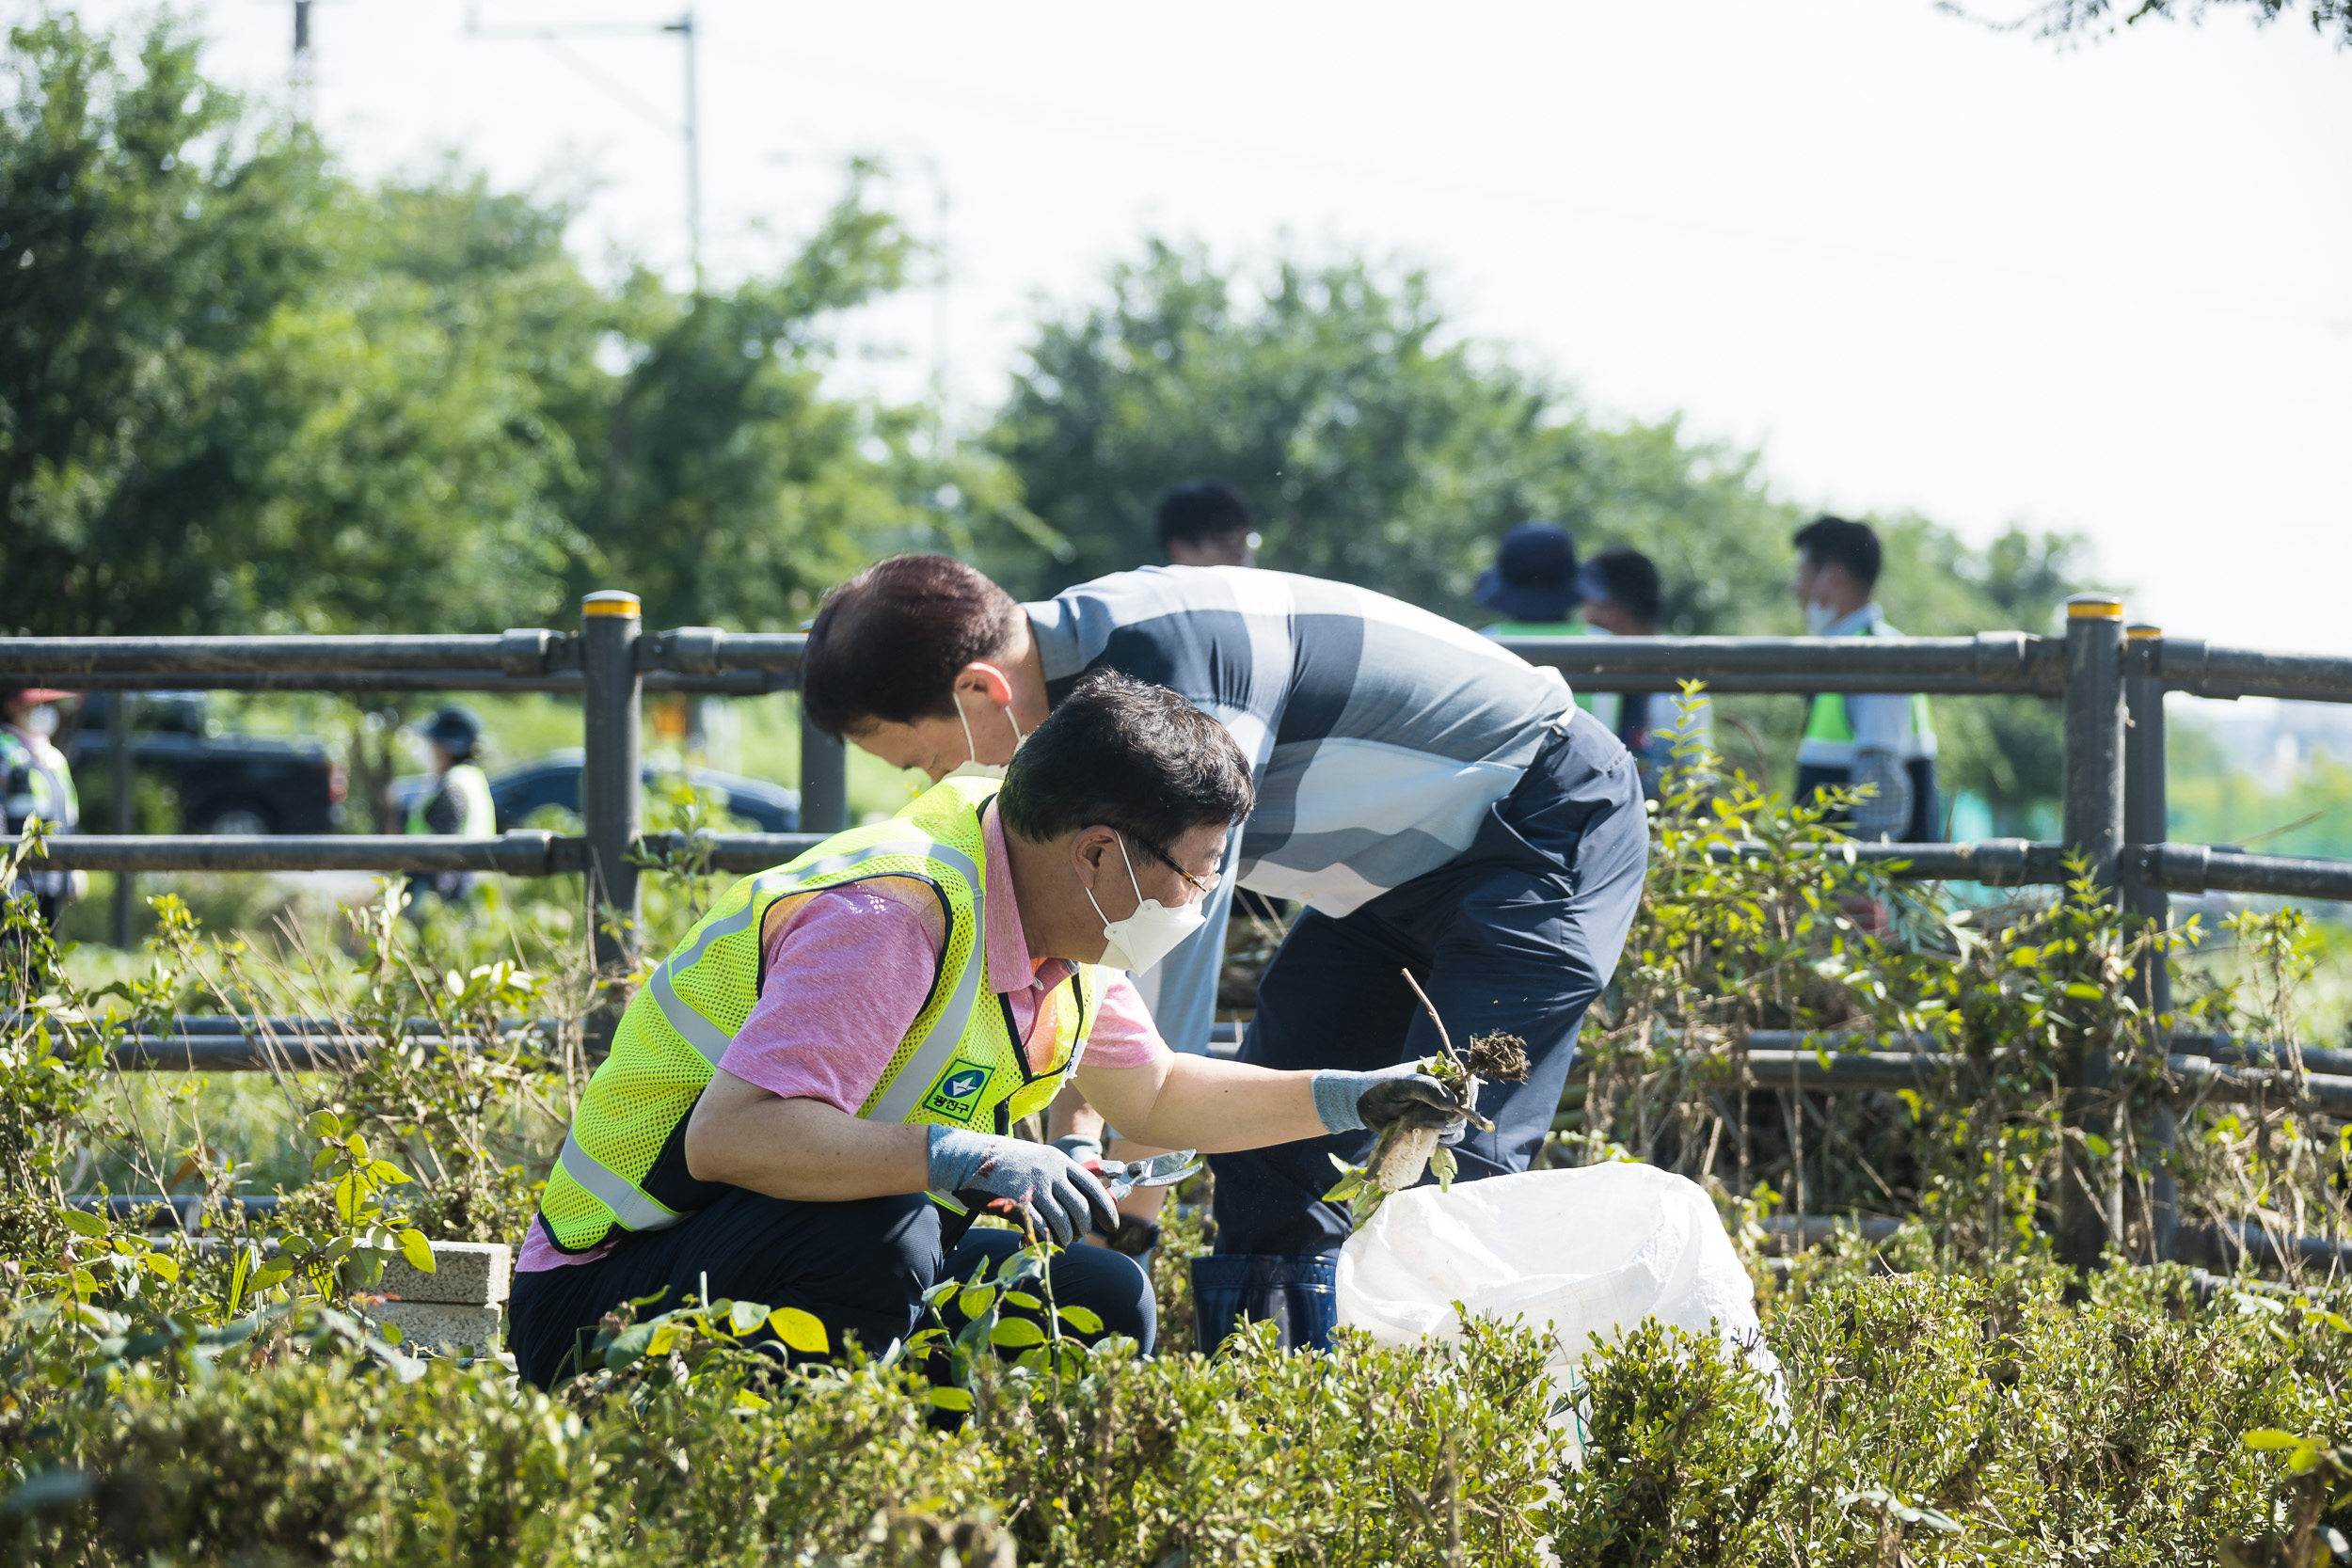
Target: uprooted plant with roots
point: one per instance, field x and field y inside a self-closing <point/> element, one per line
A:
<point x="1409" y="1146"/>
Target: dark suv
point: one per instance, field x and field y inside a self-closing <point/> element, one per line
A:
<point x="225" y="782"/>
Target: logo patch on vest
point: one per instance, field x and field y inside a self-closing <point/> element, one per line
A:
<point x="958" y="1092"/>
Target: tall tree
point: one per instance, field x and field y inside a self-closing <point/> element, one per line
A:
<point x="148" y="235"/>
<point x="242" y="391"/>
<point x="727" y="484"/>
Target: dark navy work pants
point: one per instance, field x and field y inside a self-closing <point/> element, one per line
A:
<point x="861" y="1267"/>
<point x="1517" y="935"/>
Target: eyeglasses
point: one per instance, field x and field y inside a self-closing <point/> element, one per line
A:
<point x="1203" y="886"/>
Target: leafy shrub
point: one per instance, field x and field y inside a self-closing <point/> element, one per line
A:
<point x="1951" y="1395"/>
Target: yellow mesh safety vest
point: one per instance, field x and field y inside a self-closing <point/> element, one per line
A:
<point x="478" y="816"/>
<point x="959" y="1064"/>
<point x="1829" y="740"/>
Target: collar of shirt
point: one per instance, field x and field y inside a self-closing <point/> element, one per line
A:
<point x="1010" y="966"/>
<point x="1858" y="621"/>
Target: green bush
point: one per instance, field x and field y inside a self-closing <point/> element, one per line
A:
<point x="1928" y="1418"/>
<point x="1949" y="1395"/>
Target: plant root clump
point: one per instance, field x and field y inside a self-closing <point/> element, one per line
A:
<point x="1497" y="1058"/>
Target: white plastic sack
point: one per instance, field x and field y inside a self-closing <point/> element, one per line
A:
<point x="1590" y="1251"/>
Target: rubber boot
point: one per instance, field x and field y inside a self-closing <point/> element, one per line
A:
<point x="1296" y="1294"/>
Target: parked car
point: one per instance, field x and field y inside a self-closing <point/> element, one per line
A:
<point x="226" y="782"/>
<point x="553" y="780"/>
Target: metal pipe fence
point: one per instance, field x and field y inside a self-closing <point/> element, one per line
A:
<point x="2224" y="1073"/>
<point x="2111" y="685"/>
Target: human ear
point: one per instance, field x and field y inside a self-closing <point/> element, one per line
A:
<point x="987" y="680"/>
<point x="1090" y="847"/>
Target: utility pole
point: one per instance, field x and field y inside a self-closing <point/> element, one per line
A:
<point x="688" y="129"/>
<point x="684" y="28"/>
<point x="302" y="79"/>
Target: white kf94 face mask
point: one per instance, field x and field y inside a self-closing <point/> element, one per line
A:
<point x="972" y="766"/>
<point x="1149" y="934"/>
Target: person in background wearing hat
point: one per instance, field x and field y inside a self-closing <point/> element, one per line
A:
<point x="1206" y="522"/>
<point x="40" y="788"/>
<point x="459" y="801"/>
<point x="1621" y="594"/>
<point x="1533" y="583"/>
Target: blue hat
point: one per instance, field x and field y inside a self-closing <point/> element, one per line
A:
<point x="1533" y="577"/>
<point x="454" y="727"/>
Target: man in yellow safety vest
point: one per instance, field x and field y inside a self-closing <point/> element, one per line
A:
<point x="1885" y="741"/>
<point x="805" y="1102"/>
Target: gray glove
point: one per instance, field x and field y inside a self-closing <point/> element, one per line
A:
<point x="1058" y="1192"/>
<point x="1081" y="1147"/>
<point x="1351" y="1101"/>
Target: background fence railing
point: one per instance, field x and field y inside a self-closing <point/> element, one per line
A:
<point x="2111" y="679"/>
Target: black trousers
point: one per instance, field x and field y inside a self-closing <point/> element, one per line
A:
<point x="1517" y="935"/>
<point x="861" y="1267"/>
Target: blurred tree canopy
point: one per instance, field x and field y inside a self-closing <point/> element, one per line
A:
<point x="240" y="391"/>
<point x="1375" y="448"/>
<point x="1378" y="448"/>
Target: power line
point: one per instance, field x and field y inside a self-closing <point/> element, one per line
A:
<point x="688" y="129"/>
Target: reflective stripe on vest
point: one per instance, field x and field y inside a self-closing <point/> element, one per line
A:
<point x="630" y="1206"/>
<point x="958" y="1065"/>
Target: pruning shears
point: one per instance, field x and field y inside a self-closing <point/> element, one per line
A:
<point x="1121" y="1177"/>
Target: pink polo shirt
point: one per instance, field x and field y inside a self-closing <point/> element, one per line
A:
<point x="846" y="976"/>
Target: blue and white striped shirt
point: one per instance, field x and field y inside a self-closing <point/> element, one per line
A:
<point x="1379" y="733"/>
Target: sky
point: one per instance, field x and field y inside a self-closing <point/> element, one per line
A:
<point x="1919" y="263"/>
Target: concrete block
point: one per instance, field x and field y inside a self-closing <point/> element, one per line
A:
<point x="465" y="1274"/>
<point x="437" y="1327"/>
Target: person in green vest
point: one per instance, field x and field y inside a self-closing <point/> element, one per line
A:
<point x="808" y="1100"/>
<point x="459" y="801"/>
<point x="39" y="788"/>
<point x="1884" y="741"/>
<point x="1534" y="584"/>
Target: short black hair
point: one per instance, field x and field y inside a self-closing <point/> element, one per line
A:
<point x="1126" y="754"/>
<point x="1632" y="581"/>
<point x="1201" y="509"/>
<point x="887" y="643"/>
<point x="1853" y="545"/>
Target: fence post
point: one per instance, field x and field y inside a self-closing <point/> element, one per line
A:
<point x="2145" y="815"/>
<point x="824" y="780"/>
<point x="2093" y="829"/>
<point x="118" y="708"/>
<point x="610" y="786"/>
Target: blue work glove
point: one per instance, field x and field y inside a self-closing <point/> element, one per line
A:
<point x="1058" y="1192"/>
<point x="1352" y="1101"/>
